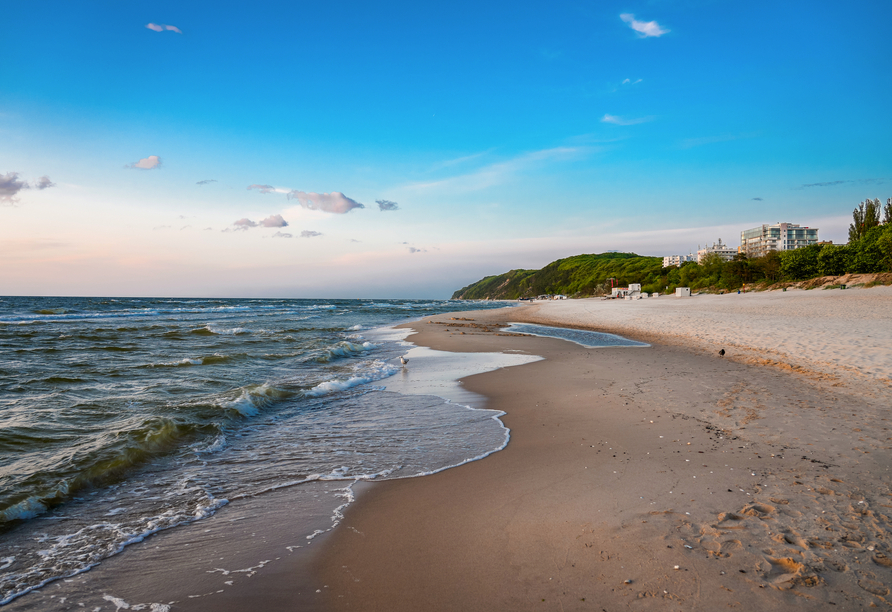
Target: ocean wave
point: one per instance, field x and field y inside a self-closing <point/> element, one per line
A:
<point x="255" y="398"/>
<point x="342" y="349"/>
<point x="377" y="370"/>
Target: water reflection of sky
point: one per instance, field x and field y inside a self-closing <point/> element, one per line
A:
<point x="586" y="338"/>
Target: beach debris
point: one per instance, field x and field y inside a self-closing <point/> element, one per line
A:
<point x="676" y="567"/>
<point x="722" y="353"/>
<point x="627" y="581"/>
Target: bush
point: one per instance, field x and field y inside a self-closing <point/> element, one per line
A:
<point x="800" y="264"/>
<point x="833" y="260"/>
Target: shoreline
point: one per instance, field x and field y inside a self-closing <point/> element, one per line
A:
<point x="676" y="477"/>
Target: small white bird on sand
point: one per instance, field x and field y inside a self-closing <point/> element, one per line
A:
<point x="403" y="360"/>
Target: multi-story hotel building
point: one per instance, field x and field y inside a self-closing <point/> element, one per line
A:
<point x="759" y="241"/>
<point x="722" y="250"/>
<point x="677" y="260"/>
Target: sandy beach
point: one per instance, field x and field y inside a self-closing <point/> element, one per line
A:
<point x="657" y="478"/>
<point x="662" y="477"/>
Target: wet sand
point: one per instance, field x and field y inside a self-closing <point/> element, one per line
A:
<point x="656" y="478"/>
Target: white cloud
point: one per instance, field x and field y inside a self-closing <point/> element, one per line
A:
<point x="309" y="234"/>
<point x="617" y="120"/>
<point x="384" y="205"/>
<point x="414" y="250"/>
<point x="206" y="182"/>
<point x="645" y="29"/>
<point x="274" y="221"/>
<point x="282" y="235"/>
<point x="334" y="202"/>
<point x="631" y="82"/>
<point x="160" y="27"/>
<point x="147" y="163"/>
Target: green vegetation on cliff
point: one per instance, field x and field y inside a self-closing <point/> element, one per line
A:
<point x="578" y="275"/>
<point x="869" y="251"/>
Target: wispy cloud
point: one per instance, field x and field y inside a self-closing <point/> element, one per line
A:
<point x="384" y="205"/>
<point x="309" y="234"/>
<point x="334" y="202"/>
<point x="274" y="221"/>
<point x="415" y="250"/>
<point x="281" y="235"/>
<point x="147" y="163"/>
<point x="757" y="199"/>
<point x="617" y="120"/>
<point x="160" y="27"/>
<point x="867" y="181"/>
<point x="631" y="82"/>
<point x="498" y="173"/>
<point x="262" y="188"/>
<point x="206" y="182"/>
<point x="645" y="29"/>
<point x="457" y="161"/>
<point x="10" y="186"/>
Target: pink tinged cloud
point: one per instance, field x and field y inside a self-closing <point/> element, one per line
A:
<point x="44" y="182"/>
<point x="147" y="163"/>
<point x="309" y="234"/>
<point x="334" y="202"/>
<point x="160" y="27"/>
<point x="10" y="186"/>
<point x="244" y="224"/>
<point x="274" y="221"/>
<point x="645" y="29"/>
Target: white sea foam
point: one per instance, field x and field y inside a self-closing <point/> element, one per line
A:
<point x="376" y="371"/>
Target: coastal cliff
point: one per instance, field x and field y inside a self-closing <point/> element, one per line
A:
<point x="580" y="274"/>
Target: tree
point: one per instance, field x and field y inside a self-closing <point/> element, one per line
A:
<point x="887" y="212"/>
<point x="833" y="260"/>
<point x="866" y="216"/>
<point x="801" y="263"/>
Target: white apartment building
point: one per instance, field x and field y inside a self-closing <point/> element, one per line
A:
<point x="759" y="241"/>
<point x="677" y="260"/>
<point x="723" y="250"/>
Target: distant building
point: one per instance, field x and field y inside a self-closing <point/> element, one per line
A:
<point x="722" y="250"/>
<point x="677" y="260"/>
<point x="760" y="241"/>
<point x="682" y="292"/>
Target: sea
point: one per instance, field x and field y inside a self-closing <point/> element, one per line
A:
<point x="123" y="417"/>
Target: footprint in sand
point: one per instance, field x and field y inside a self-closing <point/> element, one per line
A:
<point x="762" y="511"/>
<point x="873" y="587"/>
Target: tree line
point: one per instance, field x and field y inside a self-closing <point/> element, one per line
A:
<point x="869" y="250"/>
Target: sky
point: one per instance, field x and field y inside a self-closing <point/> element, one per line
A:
<point x="347" y="149"/>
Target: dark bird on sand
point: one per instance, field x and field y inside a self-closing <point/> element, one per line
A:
<point x="403" y="360"/>
<point x="722" y="353"/>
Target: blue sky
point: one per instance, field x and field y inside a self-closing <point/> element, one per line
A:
<point x="502" y="135"/>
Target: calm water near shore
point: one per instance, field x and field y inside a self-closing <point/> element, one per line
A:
<point x="123" y="417"/>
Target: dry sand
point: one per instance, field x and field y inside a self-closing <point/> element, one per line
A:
<point x="657" y="478"/>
